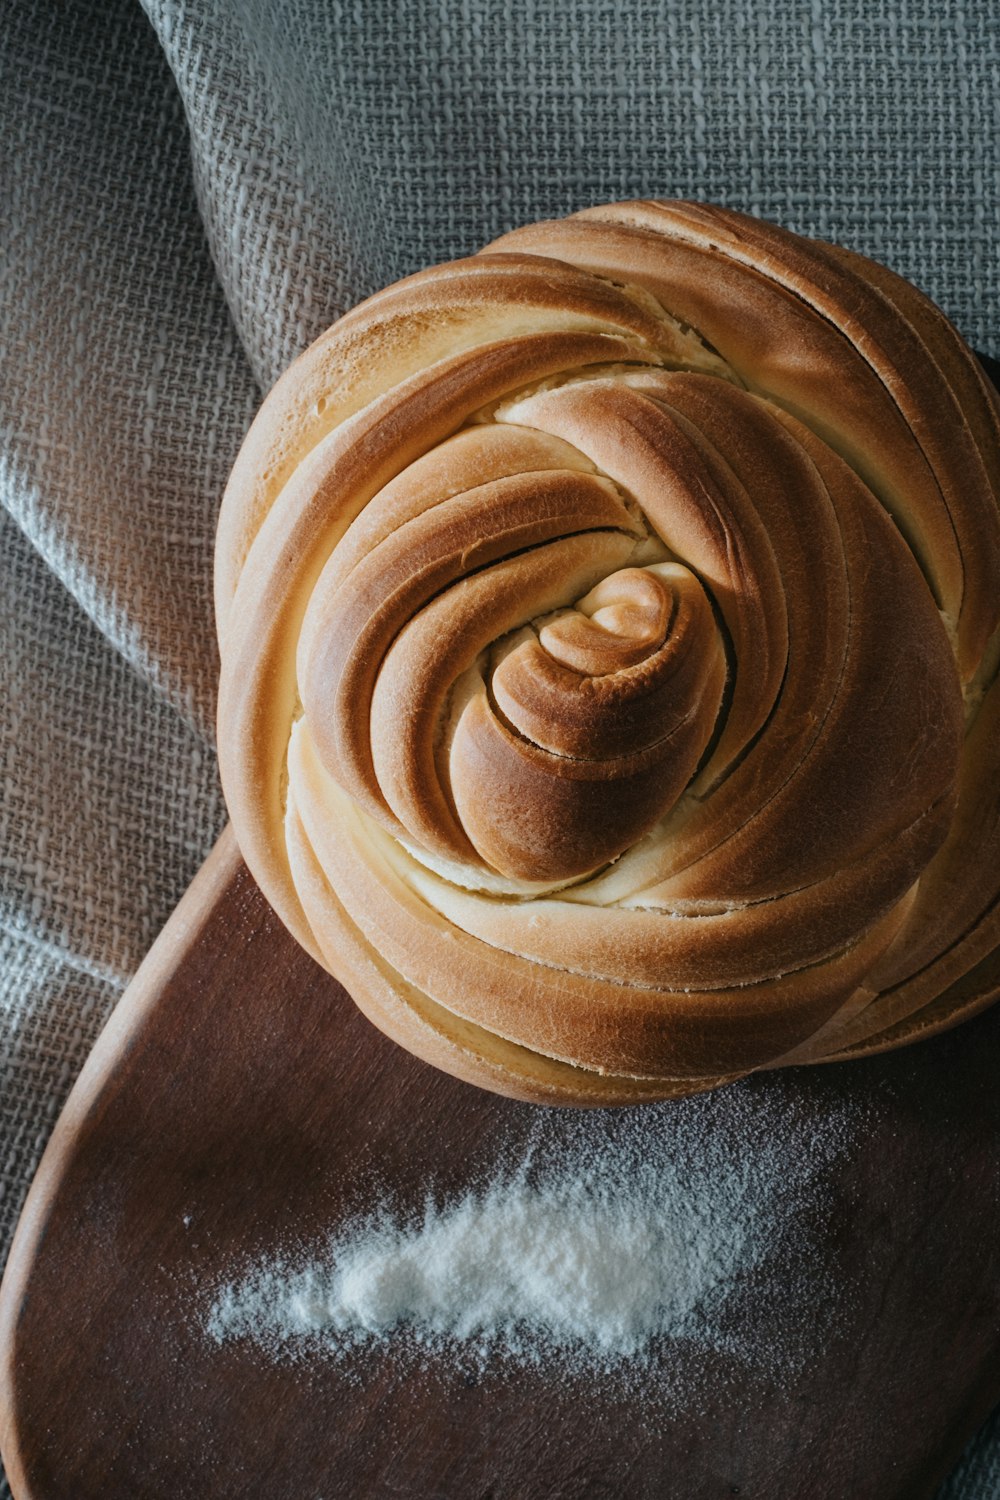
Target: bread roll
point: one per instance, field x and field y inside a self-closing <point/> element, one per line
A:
<point x="609" y="632"/>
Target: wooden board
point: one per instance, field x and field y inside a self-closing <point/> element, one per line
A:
<point x="236" y="1088"/>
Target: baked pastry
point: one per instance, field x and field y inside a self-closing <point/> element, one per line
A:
<point x="609" y="657"/>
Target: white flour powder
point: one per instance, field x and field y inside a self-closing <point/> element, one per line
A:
<point x="700" y="1221"/>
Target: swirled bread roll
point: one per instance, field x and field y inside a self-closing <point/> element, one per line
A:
<point x="609" y="657"/>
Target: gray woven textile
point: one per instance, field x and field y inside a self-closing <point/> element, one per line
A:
<point x="335" y="147"/>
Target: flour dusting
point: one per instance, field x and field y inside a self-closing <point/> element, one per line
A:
<point x="698" y="1222"/>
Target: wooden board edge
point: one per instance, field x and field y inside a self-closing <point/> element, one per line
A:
<point x="183" y="929"/>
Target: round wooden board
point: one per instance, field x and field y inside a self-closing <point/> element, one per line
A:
<point x="237" y="1090"/>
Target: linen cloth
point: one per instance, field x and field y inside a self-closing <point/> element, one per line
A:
<point x="190" y="195"/>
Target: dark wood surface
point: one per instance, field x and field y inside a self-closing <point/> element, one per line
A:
<point x="236" y="1088"/>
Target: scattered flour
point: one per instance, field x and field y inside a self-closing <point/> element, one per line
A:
<point x="699" y="1222"/>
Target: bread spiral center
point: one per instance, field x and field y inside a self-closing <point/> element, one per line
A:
<point x="584" y="732"/>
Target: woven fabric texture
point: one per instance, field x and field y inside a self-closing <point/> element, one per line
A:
<point x="189" y="196"/>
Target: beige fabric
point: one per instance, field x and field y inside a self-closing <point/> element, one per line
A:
<point x="144" y="306"/>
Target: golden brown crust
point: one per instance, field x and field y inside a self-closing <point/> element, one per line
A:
<point x="609" y="635"/>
